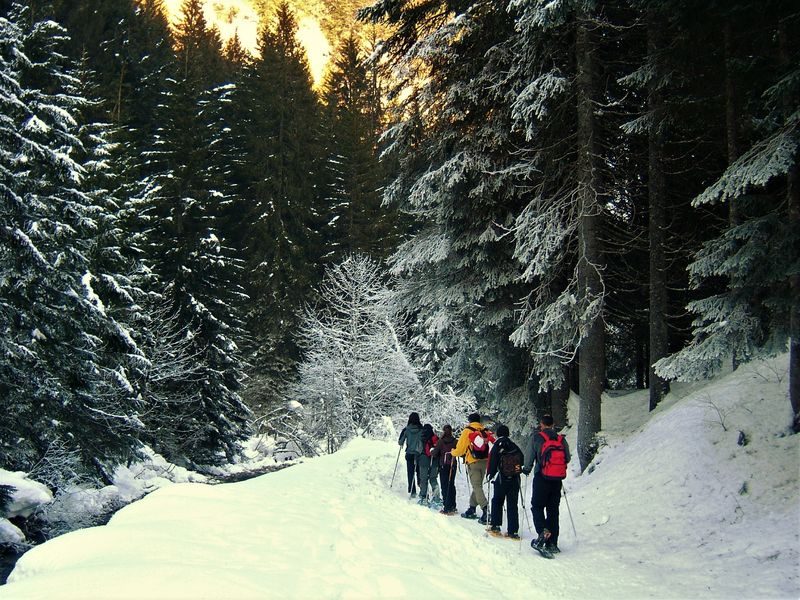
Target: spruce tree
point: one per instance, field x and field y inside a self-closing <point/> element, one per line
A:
<point x="187" y="195"/>
<point x="755" y="314"/>
<point x="280" y="191"/>
<point x="70" y="401"/>
<point x="356" y="221"/>
<point x="458" y="280"/>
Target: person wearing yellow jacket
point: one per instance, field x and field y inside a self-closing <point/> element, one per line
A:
<point x="476" y="468"/>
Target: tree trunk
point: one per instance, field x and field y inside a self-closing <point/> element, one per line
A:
<point x="592" y="347"/>
<point x="559" y="398"/>
<point x="793" y="197"/>
<point x="657" y="215"/>
<point x="793" y="185"/>
<point x="732" y="117"/>
<point x="641" y="357"/>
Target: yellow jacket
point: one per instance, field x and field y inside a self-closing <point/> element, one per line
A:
<point x="462" y="447"/>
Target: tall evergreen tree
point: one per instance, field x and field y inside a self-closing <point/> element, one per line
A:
<point x="356" y="220"/>
<point x="755" y="313"/>
<point x="280" y="179"/>
<point x="459" y="282"/>
<point x="64" y="355"/>
<point x="187" y="196"/>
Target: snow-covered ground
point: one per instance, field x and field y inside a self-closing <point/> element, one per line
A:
<point x="673" y="508"/>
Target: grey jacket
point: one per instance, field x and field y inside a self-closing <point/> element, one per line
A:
<point x="533" y="452"/>
<point x="412" y="436"/>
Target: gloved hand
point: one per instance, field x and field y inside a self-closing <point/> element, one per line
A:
<point x="526" y="470"/>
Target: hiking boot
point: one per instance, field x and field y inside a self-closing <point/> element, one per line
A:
<point x="552" y="548"/>
<point x="422" y="502"/>
<point x="413" y="495"/>
<point x="484" y="516"/>
<point x="494" y="529"/>
<point x="537" y="542"/>
<point x="469" y="513"/>
<point x="513" y="536"/>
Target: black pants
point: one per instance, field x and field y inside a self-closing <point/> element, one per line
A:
<point x="506" y="490"/>
<point x="447" y="481"/>
<point x="411" y="470"/>
<point x="544" y="505"/>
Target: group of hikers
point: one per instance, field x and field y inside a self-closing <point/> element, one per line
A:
<point x="493" y="457"/>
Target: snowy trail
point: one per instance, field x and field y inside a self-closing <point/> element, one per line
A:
<point x="654" y="521"/>
<point x="329" y="528"/>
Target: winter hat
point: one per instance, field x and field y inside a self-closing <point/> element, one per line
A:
<point x="474" y="418"/>
<point x="502" y="431"/>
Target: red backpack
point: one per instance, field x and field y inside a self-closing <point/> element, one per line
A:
<point x="479" y="442"/>
<point x="554" y="457"/>
<point x="430" y="445"/>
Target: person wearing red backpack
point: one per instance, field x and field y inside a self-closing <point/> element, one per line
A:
<point x="473" y="444"/>
<point x="547" y="455"/>
<point x="428" y="469"/>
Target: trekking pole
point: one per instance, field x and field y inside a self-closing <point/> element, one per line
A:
<point x="489" y="505"/>
<point x="575" y="533"/>
<point x="451" y="483"/>
<point x="525" y="510"/>
<point x="395" y="466"/>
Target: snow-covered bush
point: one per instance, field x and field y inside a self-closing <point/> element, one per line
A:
<point x="355" y="371"/>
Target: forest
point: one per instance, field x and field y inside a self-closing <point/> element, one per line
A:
<point x="494" y="204"/>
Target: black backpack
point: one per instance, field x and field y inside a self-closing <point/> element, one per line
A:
<point x="511" y="463"/>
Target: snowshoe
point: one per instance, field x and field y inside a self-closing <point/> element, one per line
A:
<point x="470" y="513"/>
<point x="539" y="545"/>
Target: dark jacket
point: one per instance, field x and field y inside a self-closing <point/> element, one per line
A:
<point x="502" y="446"/>
<point x="533" y="452"/>
<point x="443" y="446"/>
<point x="412" y="436"/>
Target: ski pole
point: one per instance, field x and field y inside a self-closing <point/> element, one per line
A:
<point x="525" y="510"/>
<point x="489" y="503"/>
<point x="395" y="466"/>
<point x="451" y="483"/>
<point x="575" y="533"/>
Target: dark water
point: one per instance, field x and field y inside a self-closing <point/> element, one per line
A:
<point x="8" y="559"/>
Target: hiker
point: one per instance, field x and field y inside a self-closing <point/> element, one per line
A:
<point x="547" y="477"/>
<point x="412" y="436"/>
<point x="428" y="468"/>
<point x="473" y="445"/>
<point x="443" y="454"/>
<point x="505" y="466"/>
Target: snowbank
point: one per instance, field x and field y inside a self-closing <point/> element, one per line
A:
<point x="28" y="495"/>
<point x="673" y="507"/>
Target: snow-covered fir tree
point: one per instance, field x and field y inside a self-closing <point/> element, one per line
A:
<point x="69" y="399"/>
<point x="186" y="195"/>
<point x="278" y="204"/>
<point x="758" y="312"/>
<point x="458" y="280"/>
